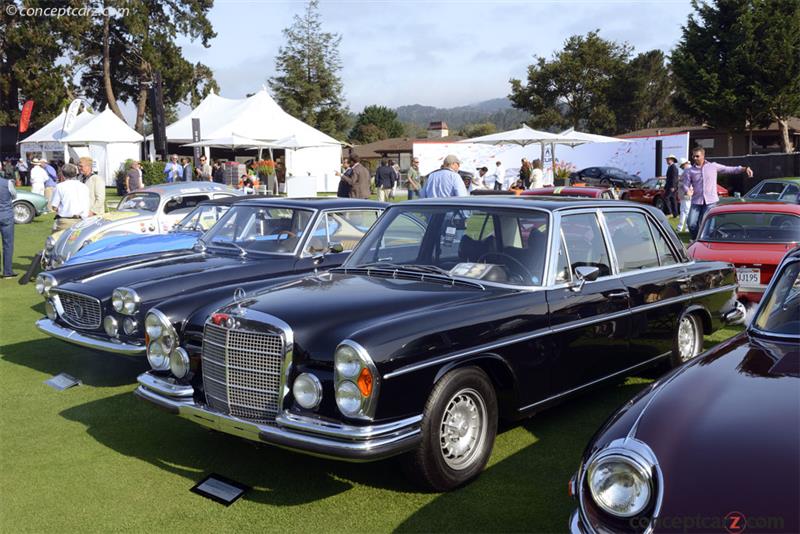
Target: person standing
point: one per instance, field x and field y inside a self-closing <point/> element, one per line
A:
<point x="38" y="177"/>
<point x="173" y="172"/>
<point x="187" y="169"/>
<point x="685" y="198"/>
<point x="671" y="186"/>
<point x="97" y="188"/>
<point x="358" y="179"/>
<point x="384" y="180"/>
<point x="702" y="178"/>
<point x="499" y="177"/>
<point x="204" y="170"/>
<point x="133" y="179"/>
<point x="445" y="182"/>
<point x="525" y="173"/>
<point x="22" y="170"/>
<point x="477" y="180"/>
<point x="9" y="170"/>
<point x="413" y="179"/>
<point x="217" y="173"/>
<point x="537" y="176"/>
<point x="344" y="188"/>
<point x="7" y="195"/>
<point x="70" y="199"/>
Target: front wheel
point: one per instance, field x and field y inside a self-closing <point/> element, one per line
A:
<point x="688" y="339"/>
<point x="23" y="213"/>
<point x="659" y="203"/>
<point x="458" y="430"/>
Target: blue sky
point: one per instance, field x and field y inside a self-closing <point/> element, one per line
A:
<point x="440" y="53"/>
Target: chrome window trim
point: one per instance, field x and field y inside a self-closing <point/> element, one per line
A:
<point x="550" y="330"/>
<point x="325" y="212"/>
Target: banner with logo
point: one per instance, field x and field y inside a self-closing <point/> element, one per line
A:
<point x="72" y="113"/>
<point x="25" y="116"/>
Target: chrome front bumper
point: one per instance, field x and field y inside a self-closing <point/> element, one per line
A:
<point x="304" y="434"/>
<point x="76" y="338"/>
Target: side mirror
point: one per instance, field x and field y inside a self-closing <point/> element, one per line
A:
<point x="335" y="247"/>
<point x="584" y="274"/>
<point x="737" y="194"/>
<point x="735" y="316"/>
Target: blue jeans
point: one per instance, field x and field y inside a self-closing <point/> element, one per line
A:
<point x="7" y="233"/>
<point x="696" y="213"/>
<point x="412" y="194"/>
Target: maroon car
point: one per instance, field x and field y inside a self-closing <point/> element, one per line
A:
<point x="715" y="445"/>
<point x="652" y="192"/>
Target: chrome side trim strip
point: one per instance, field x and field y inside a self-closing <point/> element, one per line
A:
<point x="71" y="336"/>
<point x="593" y="382"/>
<point x="552" y="330"/>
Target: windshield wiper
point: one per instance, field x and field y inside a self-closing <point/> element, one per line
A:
<point x="406" y="267"/>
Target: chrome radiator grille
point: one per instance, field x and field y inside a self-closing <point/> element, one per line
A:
<point x="81" y="311"/>
<point x="242" y="372"/>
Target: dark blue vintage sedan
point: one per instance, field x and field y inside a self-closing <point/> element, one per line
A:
<point x="450" y="314"/>
<point x="258" y="242"/>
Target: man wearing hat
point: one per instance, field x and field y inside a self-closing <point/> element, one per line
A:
<point x="38" y="176"/>
<point x="671" y="186"/>
<point x="445" y="182"/>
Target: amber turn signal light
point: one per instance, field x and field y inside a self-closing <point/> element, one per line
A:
<point x="365" y="382"/>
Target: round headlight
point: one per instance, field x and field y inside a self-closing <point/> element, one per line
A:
<point x="129" y="326"/>
<point x="179" y="363"/>
<point x="347" y="362"/>
<point x="130" y="300"/>
<point x="619" y="485"/>
<point x="153" y="326"/>
<point x="111" y="326"/>
<point x="40" y="284"/>
<point x="117" y="300"/>
<point x="307" y="391"/>
<point x="348" y="398"/>
<point x="50" y="310"/>
<point x="49" y="243"/>
<point x="167" y="341"/>
<point x="156" y="357"/>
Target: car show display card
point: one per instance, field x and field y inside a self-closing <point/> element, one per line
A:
<point x="220" y="489"/>
<point x="62" y="381"/>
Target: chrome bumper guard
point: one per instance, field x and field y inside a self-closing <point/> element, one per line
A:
<point x="76" y="338"/>
<point x="304" y="434"/>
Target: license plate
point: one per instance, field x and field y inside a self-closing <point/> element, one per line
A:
<point x="748" y="277"/>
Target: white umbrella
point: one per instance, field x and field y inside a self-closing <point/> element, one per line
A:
<point x="521" y="136"/>
<point x="574" y="138"/>
<point x="296" y="141"/>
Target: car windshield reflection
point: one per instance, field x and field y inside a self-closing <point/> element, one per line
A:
<point x="202" y="219"/>
<point x="139" y="202"/>
<point x="778" y="313"/>
<point x="506" y="246"/>
<point x="260" y="229"/>
<point x="752" y="227"/>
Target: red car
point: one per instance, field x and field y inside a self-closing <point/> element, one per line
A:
<point x="652" y="192"/>
<point x="574" y="191"/>
<point x="754" y="236"/>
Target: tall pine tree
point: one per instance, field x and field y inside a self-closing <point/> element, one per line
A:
<point x="307" y="84"/>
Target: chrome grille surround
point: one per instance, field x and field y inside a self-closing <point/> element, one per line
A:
<point x="80" y="311"/>
<point x="244" y="368"/>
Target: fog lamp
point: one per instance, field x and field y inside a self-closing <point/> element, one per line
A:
<point x="50" y="310"/>
<point x="179" y="363"/>
<point x="307" y="391"/>
<point x="130" y="326"/>
<point x="111" y="326"/>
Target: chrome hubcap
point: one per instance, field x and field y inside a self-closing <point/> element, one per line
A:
<point x="20" y="212"/>
<point x="687" y="339"/>
<point x="463" y="429"/>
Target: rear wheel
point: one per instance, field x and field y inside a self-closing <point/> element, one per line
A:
<point x="688" y="339"/>
<point x="23" y="213"/>
<point x="605" y="182"/>
<point x="659" y="203"/>
<point x="458" y="430"/>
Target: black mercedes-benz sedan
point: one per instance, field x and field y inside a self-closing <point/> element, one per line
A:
<point x="258" y="242"/>
<point x="448" y="315"/>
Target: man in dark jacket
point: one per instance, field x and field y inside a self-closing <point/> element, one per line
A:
<point x="358" y="179"/>
<point x="671" y="186"/>
<point x="385" y="178"/>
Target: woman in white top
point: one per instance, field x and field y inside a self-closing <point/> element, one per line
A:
<point x="685" y="198"/>
<point x="537" y="176"/>
<point x="38" y="177"/>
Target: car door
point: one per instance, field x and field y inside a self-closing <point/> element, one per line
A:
<point x="344" y="227"/>
<point x="653" y="277"/>
<point x="590" y="321"/>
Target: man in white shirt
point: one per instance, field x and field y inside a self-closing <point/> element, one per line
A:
<point x="500" y="177"/>
<point x="70" y="199"/>
<point x="38" y="176"/>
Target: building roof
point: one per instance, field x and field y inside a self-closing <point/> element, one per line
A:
<point x="794" y="124"/>
<point x="395" y="145"/>
<point x="438" y="125"/>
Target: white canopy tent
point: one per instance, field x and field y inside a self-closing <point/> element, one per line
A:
<point x="109" y="142"/>
<point x="260" y="118"/>
<point x="47" y="141"/>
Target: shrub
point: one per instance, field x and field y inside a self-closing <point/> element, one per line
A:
<point x="153" y="172"/>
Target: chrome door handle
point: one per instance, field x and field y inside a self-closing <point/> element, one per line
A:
<point x="684" y="280"/>
<point x="618" y="295"/>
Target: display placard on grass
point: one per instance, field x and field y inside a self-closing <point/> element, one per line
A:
<point x="62" y="381"/>
<point x="220" y="489"/>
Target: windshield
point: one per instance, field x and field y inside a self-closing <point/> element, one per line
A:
<point x="500" y="245"/>
<point x="653" y="183"/>
<point x="778" y="313"/>
<point x="260" y="229"/>
<point x="139" y="202"/>
<point x="201" y="219"/>
<point x="751" y="227"/>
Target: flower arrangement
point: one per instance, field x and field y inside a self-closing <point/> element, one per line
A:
<point x="264" y="167"/>
<point x="562" y="170"/>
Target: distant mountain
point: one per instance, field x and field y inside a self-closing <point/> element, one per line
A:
<point x="497" y="111"/>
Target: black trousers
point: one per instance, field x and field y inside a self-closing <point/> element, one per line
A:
<point x="7" y="233"/>
<point x="671" y="200"/>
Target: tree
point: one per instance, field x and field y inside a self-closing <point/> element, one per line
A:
<point x="712" y="67"/>
<point x="307" y="85"/>
<point x="573" y="88"/>
<point x="376" y="121"/>
<point x="477" y="129"/>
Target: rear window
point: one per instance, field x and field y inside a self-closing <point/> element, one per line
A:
<point x="751" y="227"/>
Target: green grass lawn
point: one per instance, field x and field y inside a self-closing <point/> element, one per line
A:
<point x="94" y="458"/>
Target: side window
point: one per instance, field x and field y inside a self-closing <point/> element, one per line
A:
<point x="178" y="203"/>
<point x="563" y="274"/>
<point x="345" y="227"/>
<point x="790" y="193"/>
<point x="585" y="243"/>
<point x="665" y="255"/>
<point x="632" y="241"/>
